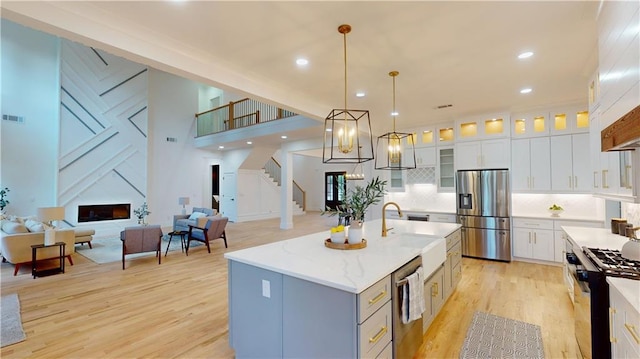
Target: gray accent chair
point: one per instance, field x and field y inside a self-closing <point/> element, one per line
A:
<point x="181" y="222"/>
<point x="213" y="229"/>
<point x="140" y="239"/>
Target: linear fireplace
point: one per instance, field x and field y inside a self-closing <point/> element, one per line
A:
<point x="104" y="212"/>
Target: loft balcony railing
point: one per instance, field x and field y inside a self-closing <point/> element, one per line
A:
<point x="243" y="113"/>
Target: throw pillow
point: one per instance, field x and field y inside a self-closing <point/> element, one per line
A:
<point x="196" y="215"/>
<point x="34" y="226"/>
<point x="14" y="227"/>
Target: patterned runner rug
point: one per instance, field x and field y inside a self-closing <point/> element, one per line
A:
<point x="491" y="336"/>
<point x="11" y="321"/>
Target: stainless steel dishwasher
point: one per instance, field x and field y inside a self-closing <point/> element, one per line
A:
<point x="407" y="338"/>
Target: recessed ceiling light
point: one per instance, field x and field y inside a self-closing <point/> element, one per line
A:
<point x="329" y="130"/>
<point x="525" y="90"/>
<point x="359" y="94"/>
<point x="525" y="55"/>
<point x="302" y="62"/>
<point x="426" y="131"/>
<point x="394" y="114"/>
<point x="283" y="137"/>
<point x="249" y="143"/>
<point x="220" y="147"/>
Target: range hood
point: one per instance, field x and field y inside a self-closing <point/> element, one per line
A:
<point x="624" y="134"/>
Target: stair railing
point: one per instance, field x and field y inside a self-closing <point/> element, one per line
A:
<point x="274" y="170"/>
<point x="238" y="114"/>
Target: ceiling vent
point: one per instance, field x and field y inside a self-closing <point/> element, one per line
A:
<point x="443" y="106"/>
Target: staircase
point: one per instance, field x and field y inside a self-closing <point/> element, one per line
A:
<point x="273" y="170"/>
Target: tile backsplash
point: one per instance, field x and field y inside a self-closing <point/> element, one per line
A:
<point x="424" y="197"/>
<point x="577" y="206"/>
<point x="631" y="211"/>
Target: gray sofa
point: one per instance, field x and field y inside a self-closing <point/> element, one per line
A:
<point x="181" y="222"/>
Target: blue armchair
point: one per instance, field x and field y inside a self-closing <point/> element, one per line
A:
<point x="181" y="222"/>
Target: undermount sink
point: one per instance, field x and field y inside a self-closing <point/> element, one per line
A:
<point x="433" y="254"/>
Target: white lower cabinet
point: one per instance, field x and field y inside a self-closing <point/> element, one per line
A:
<point x="533" y="239"/>
<point x="624" y="324"/>
<point x="433" y="297"/>
<point x="439" y="286"/>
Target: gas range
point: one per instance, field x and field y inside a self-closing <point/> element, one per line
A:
<point x="611" y="263"/>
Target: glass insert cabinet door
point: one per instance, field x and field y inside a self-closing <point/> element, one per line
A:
<point x="335" y="189"/>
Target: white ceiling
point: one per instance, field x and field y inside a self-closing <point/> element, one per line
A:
<point x="459" y="53"/>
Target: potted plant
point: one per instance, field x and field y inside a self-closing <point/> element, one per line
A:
<point x="355" y="205"/>
<point x="3" y="201"/>
<point x="141" y="212"/>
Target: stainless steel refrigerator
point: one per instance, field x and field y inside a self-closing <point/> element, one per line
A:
<point x="483" y="201"/>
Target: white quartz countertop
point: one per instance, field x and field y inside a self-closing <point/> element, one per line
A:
<point x="353" y="271"/>
<point x="630" y="290"/>
<point x="595" y="237"/>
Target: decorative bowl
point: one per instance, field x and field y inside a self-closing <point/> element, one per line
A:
<point x="556" y="212"/>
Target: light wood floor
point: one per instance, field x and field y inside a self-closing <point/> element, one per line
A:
<point x="179" y="309"/>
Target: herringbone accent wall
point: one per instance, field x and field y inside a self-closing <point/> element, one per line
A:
<point x="103" y="129"/>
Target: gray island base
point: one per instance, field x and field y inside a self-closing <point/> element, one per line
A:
<point x="297" y="298"/>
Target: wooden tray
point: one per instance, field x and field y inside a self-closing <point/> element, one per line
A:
<point x="345" y="245"/>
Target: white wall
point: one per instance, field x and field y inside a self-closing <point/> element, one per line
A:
<point x="176" y="169"/>
<point x="31" y="155"/>
<point x="30" y="88"/>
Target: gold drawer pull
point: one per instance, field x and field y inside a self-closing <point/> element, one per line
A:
<point x="378" y="297"/>
<point x="632" y="329"/>
<point x="612" y="339"/>
<point x="380" y="334"/>
<point x="434" y="289"/>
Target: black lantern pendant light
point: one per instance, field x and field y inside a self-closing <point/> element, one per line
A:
<point x="393" y="150"/>
<point x="347" y="133"/>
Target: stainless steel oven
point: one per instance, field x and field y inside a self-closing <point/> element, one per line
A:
<point x="590" y="304"/>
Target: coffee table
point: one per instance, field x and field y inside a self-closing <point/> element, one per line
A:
<point x="183" y="240"/>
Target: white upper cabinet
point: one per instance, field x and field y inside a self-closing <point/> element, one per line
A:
<point x="422" y="137"/>
<point x="426" y="157"/>
<point x="530" y="169"/>
<point x="570" y="163"/>
<point x="483" y="154"/>
<point x="482" y="127"/>
<point x="569" y="119"/>
<point x="446" y="169"/>
<point x="530" y="124"/>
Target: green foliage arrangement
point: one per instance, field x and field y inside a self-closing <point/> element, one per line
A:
<point x="142" y="212"/>
<point x="3" y="200"/>
<point x="358" y="200"/>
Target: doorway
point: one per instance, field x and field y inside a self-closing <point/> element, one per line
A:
<point x="335" y="189"/>
<point x="215" y="187"/>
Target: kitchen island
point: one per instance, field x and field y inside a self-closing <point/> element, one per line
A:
<point x="298" y="298"/>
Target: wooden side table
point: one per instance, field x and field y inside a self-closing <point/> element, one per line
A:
<point x="44" y="272"/>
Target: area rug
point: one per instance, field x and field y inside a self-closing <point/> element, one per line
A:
<point x="491" y="336"/>
<point x="11" y="323"/>
<point x="109" y="250"/>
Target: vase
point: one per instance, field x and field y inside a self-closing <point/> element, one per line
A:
<point x="355" y="232"/>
